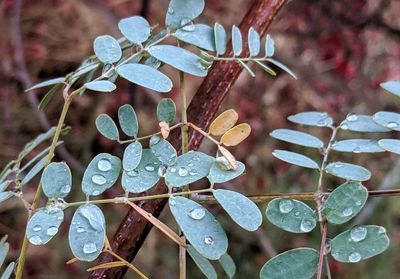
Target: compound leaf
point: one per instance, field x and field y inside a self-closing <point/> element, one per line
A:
<point x="128" y="120"/>
<point x="106" y="126"/>
<point x="56" y="180"/>
<point x="43" y="225"/>
<point x="107" y="49"/>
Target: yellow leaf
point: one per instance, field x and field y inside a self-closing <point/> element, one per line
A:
<point x="164" y="127"/>
<point x="224" y="122"/>
<point x="229" y="157"/>
<point x="236" y="135"/>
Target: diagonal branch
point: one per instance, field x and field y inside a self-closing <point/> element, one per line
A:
<point x="134" y="229"/>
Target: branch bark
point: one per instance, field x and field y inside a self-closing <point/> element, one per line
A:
<point x="134" y="229"/>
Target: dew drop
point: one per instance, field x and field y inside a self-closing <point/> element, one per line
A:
<point x="187" y="25"/>
<point x="344" y="126"/>
<point x="358" y="233"/>
<point x="161" y="171"/>
<point x="196" y="158"/>
<point x="104" y="165"/>
<point x="132" y="173"/>
<point x="171" y="11"/>
<point x="182" y="171"/>
<point x="65" y="189"/>
<point x="351" y="117"/>
<point x="35" y="240"/>
<point x="338" y="165"/>
<point x="172" y="201"/>
<point x="321" y="123"/>
<point x="381" y="230"/>
<point x="296" y="213"/>
<point x="37" y="228"/>
<point x="154" y="140"/>
<point x="89" y="248"/>
<point x="208" y="240"/>
<point x="285" y="206"/>
<point x="149" y="168"/>
<point x="95" y="193"/>
<point x="197" y="213"/>
<point x="347" y="211"/>
<point x="358" y="203"/>
<point x="80" y="230"/>
<point x="357" y="150"/>
<point x="354" y="257"/>
<point x="172" y="170"/>
<point x="99" y="179"/>
<point x="190" y="165"/>
<point x="51" y="231"/>
<point x="392" y="124"/>
<point x="306" y="225"/>
<point x="193" y="172"/>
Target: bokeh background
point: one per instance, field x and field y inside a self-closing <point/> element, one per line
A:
<point x="340" y="51"/>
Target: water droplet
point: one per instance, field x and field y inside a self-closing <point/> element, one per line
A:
<point x="296" y="213"/>
<point x="321" y="123"/>
<point x="196" y="158"/>
<point x="95" y="193"/>
<point x="53" y="230"/>
<point x="65" y="189"/>
<point x="223" y="163"/>
<point x="381" y="230"/>
<point x="392" y="124"/>
<point x="351" y="117"/>
<point x="173" y="170"/>
<point x="161" y="171"/>
<point x="149" y="167"/>
<point x="357" y="150"/>
<point x="197" y="213"/>
<point x="358" y="203"/>
<point x="89" y="248"/>
<point x="285" y="206"/>
<point x="172" y="201"/>
<point x="104" y="165"/>
<point x="347" y="211"/>
<point x="35" y="240"/>
<point x="193" y="172"/>
<point x="99" y="179"/>
<point x="354" y="257"/>
<point x="170" y="11"/>
<point x="37" y="228"/>
<point x="323" y="114"/>
<point x="154" y="140"/>
<point x="306" y="225"/>
<point x="344" y="126"/>
<point x="190" y="165"/>
<point x="187" y="25"/>
<point x="338" y="165"/>
<point x="208" y="240"/>
<point x="358" y="233"/>
<point x="132" y="173"/>
<point x="182" y="171"/>
<point x="80" y="230"/>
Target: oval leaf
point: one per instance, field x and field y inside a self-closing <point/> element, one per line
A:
<point x="128" y="120"/>
<point x="357" y="146"/>
<point x="200" y="227"/>
<point x="254" y="42"/>
<point x="202" y="263"/>
<point x="199" y="35"/>
<point x="295" y="159"/>
<point x="107" y="49"/>
<point x="87" y="232"/>
<point x="101" y="174"/>
<point x="359" y="243"/>
<point x="136" y="29"/>
<point x="56" y="180"/>
<point x="361" y="123"/>
<point x="391" y="145"/>
<point x="166" y="110"/>
<point x="224" y="122"/>
<point x="220" y="38"/>
<point x="106" y="126"/>
<point x="228" y="265"/>
<point x="348" y="171"/>
<point x="392" y="86"/>
<point x="236" y="135"/>
<point x="345" y="202"/>
<point x="180" y="12"/>
<point x="163" y="150"/>
<point x="225" y="174"/>
<point x="236" y="40"/>
<point x="101" y="85"/>
<point x="291" y="215"/>
<point x="390" y="120"/>
<point x="132" y="156"/>
<point x="296" y="137"/>
<point x="312" y="118"/>
<point x="269" y="46"/>
<point x="43" y="225"/>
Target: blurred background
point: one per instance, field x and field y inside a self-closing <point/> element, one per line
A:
<point x="340" y="51"/>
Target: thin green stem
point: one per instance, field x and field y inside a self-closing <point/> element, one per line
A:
<point x="178" y="125"/>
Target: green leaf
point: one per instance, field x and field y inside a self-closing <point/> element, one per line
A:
<point x="295" y="159"/>
<point x="128" y="120"/>
<point x="136" y="29"/>
<point x="181" y="12"/>
<point x="107" y="49"/>
<point x="359" y="243"/>
<point x="388" y="119"/>
<point x="163" y="150"/>
<point x="178" y="58"/>
<point x="202" y="263"/>
<point x="228" y="265"/>
<point x="269" y="46"/>
<point x="299" y="263"/>
<point x="34" y="171"/>
<point x="44" y="225"/>
<point x="247" y="68"/>
<point x="5" y="196"/>
<point x="4" y="247"/>
<point x="4" y="185"/>
<point x="357" y="146"/>
<point x="241" y="209"/>
<point x="312" y="118"/>
<point x="132" y="156"/>
<point x="391" y="145"/>
<point x="348" y="171"/>
<point x="145" y="176"/>
<point x="266" y="68"/>
<point x="87" y="232"/>
<point x="48" y="97"/>
<point x="392" y="86"/>
<point x="361" y="123"/>
<point x="199" y="35"/>
<point x="236" y="40"/>
<point x="101" y="86"/>
<point x="9" y="271"/>
<point x="106" y="126"/>
<point x="166" y="110"/>
<point x="36" y="142"/>
<point x="145" y="76"/>
<point x="46" y="83"/>
<point x="291" y="215"/>
<point x="254" y="42"/>
<point x="296" y="137"/>
<point x="221" y="173"/>
<point x="84" y="69"/>
<point x="101" y="174"/>
<point x="345" y="202"/>
<point x="56" y="180"/>
<point x="220" y="38"/>
<point x="189" y="167"/>
<point x="200" y="227"/>
<point x="282" y="66"/>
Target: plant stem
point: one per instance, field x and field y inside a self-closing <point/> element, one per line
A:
<point x="322" y="249"/>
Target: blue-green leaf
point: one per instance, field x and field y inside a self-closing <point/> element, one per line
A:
<point x="228" y="265"/>
<point x="200" y="227"/>
<point x="241" y="209"/>
<point x="87" y="232"/>
<point x="282" y="66"/>
<point x="178" y="58"/>
<point x="357" y="146"/>
<point x="48" y="96"/>
<point x="236" y="40"/>
<point x="181" y="12"/>
<point x="145" y="176"/>
<point x="299" y="263"/>
<point x="392" y="86"/>
<point x="295" y="159"/>
<point x="348" y="171"/>
<point x="361" y="123"/>
<point x="107" y="49"/>
<point x="46" y="83"/>
<point x="132" y="156"/>
<point x="101" y="174"/>
<point x="390" y="120"/>
<point x="4" y="247"/>
<point x="145" y="76"/>
<point x="128" y="120"/>
<point x="8" y="271"/>
<point x="136" y="29"/>
<point x="4" y="185"/>
<point x="269" y="46"/>
<point x="6" y="195"/>
<point x="166" y="110"/>
<point x="56" y="180"/>
<point x="312" y="118"/>
<point x="254" y="42"/>
<point x="101" y="86"/>
<point x="296" y="137"/>
<point x="189" y="167"/>
<point x="359" y="243"/>
<point x="202" y="263"/>
<point x="391" y="145"/>
<point x="106" y="126"/>
<point x="220" y="38"/>
<point x="43" y="225"/>
<point x="291" y="215"/>
<point x="36" y="142"/>
<point x="34" y="171"/>
<point x="163" y="150"/>
<point x="345" y="202"/>
<point x="221" y="172"/>
<point x="199" y="35"/>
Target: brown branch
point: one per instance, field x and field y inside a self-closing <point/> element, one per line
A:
<point x="134" y="229"/>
